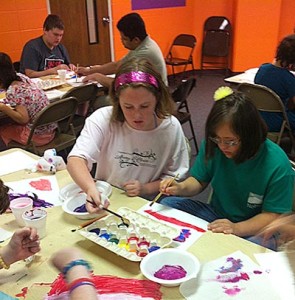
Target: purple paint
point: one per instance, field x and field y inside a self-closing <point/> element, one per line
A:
<point x="236" y="264"/>
<point x="169" y="272"/>
<point x="144" y="4"/>
<point x="257" y="272"/>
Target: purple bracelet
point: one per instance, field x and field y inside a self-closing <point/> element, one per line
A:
<point x="80" y="284"/>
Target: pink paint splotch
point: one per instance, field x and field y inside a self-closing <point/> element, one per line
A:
<point x="41" y="185"/>
<point x="233" y="291"/>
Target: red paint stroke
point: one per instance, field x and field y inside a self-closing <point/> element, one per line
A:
<point x="112" y="284"/>
<point x="173" y="220"/>
<point x="41" y="185"/>
<point x="24" y="293"/>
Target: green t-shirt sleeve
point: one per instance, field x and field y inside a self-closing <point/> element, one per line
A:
<point x="201" y="169"/>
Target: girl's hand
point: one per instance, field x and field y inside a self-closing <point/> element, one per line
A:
<point x="169" y="188"/>
<point x="133" y="188"/>
<point x="222" y="226"/>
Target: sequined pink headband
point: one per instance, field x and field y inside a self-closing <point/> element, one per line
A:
<point x="135" y="76"/>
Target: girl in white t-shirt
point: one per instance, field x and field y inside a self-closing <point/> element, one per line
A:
<point x="136" y="142"/>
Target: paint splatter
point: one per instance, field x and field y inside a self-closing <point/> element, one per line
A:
<point x="232" y="277"/>
<point x="173" y="220"/>
<point x="234" y="265"/>
<point x="23" y="293"/>
<point x="184" y="234"/>
<point x="41" y="185"/>
<point x="232" y="291"/>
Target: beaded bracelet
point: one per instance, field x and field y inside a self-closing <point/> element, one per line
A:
<point x="79" y="282"/>
<point x="78" y="262"/>
<point x="3" y="264"/>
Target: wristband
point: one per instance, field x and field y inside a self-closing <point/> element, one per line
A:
<point x="78" y="262"/>
<point x="3" y="264"/>
<point x="79" y="282"/>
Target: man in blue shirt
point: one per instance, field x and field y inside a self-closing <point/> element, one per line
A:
<point x="45" y="55"/>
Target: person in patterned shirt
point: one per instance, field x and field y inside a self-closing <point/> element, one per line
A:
<point x="24" y="100"/>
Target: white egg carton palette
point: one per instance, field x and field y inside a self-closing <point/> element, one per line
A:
<point x="48" y="84"/>
<point x="144" y="228"/>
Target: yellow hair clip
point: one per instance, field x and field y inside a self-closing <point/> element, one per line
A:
<point x="222" y="92"/>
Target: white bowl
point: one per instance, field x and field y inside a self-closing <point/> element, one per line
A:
<point x="71" y="204"/>
<point x="154" y="261"/>
<point x="73" y="190"/>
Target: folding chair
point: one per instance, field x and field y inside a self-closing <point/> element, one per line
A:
<point x="182" y="113"/>
<point x="181" y="52"/>
<point x="216" y="43"/>
<point x="61" y="110"/>
<point x="266" y="100"/>
<point x="84" y="94"/>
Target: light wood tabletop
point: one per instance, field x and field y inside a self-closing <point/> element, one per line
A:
<point x="104" y="262"/>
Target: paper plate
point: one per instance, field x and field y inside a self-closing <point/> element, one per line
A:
<point x="73" y="190"/>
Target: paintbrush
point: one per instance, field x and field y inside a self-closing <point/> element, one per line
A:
<point x="83" y="225"/>
<point x="161" y="193"/>
<point x="77" y="72"/>
<point x="123" y="219"/>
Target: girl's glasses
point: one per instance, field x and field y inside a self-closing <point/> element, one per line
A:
<point x="229" y="143"/>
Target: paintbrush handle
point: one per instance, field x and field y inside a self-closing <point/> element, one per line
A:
<point x="160" y="194"/>
<point x="88" y="222"/>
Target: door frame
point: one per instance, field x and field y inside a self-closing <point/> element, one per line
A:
<point x="110" y="27"/>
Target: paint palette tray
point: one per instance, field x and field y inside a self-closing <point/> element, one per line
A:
<point x="143" y="235"/>
<point x="48" y="84"/>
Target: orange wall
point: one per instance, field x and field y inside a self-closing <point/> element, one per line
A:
<point x="20" y="21"/>
<point x="164" y="24"/>
<point x="258" y="25"/>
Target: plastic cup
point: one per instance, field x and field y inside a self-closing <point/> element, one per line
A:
<point x="62" y="75"/>
<point x="36" y="218"/>
<point x="18" y="206"/>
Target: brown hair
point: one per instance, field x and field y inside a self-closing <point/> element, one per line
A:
<point x="4" y="198"/>
<point x="164" y="105"/>
<point x="245" y="121"/>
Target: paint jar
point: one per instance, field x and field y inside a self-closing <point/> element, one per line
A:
<point x="18" y="206"/>
<point x="36" y="218"/>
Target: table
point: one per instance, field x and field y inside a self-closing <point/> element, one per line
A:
<point x="248" y="76"/>
<point x="59" y="225"/>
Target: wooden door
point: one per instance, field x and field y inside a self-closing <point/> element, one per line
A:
<point x="76" y="39"/>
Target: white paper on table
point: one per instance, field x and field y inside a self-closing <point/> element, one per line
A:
<point x="51" y="195"/>
<point x="54" y="93"/>
<point x="214" y="280"/>
<point x="14" y="162"/>
<point x="181" y="216"/>
<point x="280" y="267"/>
<point x="5" y="235"/>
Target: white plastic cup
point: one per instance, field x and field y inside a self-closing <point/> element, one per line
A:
<point x="36" y="218"/>
<point x="62" y="75"/>
<point x="18" y="206"/>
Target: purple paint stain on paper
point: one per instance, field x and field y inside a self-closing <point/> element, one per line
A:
<point x="235" y="265"/>
<point x="257" y="272"/>
<point x="232" y="291"/>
